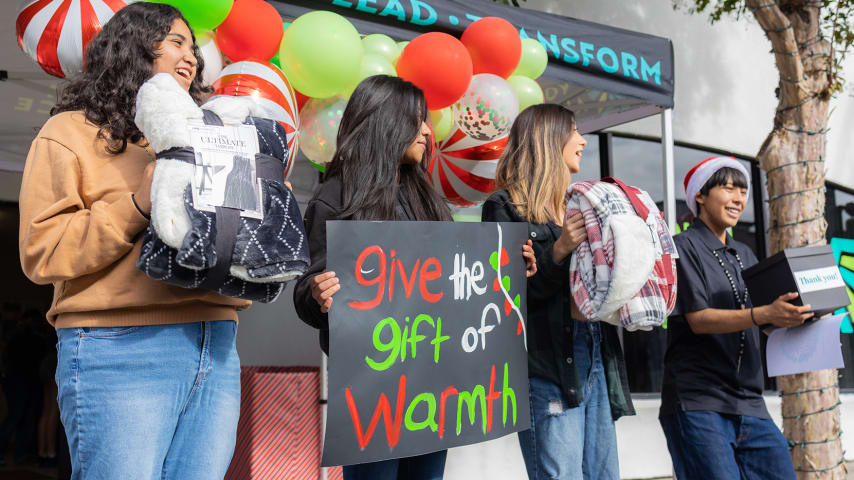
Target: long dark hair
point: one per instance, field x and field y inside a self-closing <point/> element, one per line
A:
<point x="381" y="120"/>
<point x="118" y="61"/>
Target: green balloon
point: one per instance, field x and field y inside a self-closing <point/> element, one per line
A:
<point x="381" y="45"/>
<point x="534" y="59"/>
<point x="321" y="54"/>
<point x="443" y="123"/>
<point x="400" y="47"/>
<point x="276" y="60"/>
<point x="527" y="90"/>
<point x="372" y="64"/>
<point x="202" y="15"/>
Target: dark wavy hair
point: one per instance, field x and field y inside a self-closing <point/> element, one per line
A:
<point x="381" y="120"/>
<point x="118" y="61"/>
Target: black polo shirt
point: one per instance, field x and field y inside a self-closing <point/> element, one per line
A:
<point x="702" y="371"/>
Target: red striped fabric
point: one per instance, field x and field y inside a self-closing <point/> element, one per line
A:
<point x="278" y="434"/>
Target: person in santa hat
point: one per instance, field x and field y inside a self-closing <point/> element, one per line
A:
<point x="712" y="411"/>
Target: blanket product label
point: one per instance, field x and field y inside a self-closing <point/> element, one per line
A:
<point x="427" y="337"/>
<point x="819" y="279"/>
<point x="225" y="174"/>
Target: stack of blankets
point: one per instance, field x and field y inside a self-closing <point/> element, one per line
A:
<point x="225" y="252"/>
<point x="625" y="272"/>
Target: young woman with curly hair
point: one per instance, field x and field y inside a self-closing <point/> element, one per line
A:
<point x="148" y="374"/>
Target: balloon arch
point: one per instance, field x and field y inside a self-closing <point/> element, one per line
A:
<point x="476" y="78"/>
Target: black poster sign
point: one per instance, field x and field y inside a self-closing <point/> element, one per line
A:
<point x="427" y="337"/>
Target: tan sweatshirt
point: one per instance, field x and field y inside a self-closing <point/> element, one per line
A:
<point x="81" y="232"/>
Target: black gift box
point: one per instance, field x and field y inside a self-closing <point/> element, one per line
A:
<point x="810" y="271"/>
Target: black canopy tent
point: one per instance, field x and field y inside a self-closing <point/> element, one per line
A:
<point x="606" y="75"/>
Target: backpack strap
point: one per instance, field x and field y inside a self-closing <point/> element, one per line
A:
<point x="633" y="194"/>
<point x="227" y="225"/>
<point x="642" y="210"/>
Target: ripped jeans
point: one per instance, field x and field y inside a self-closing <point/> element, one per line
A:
<point x="573" y="443"/>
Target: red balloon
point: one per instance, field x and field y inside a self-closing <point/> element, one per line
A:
<point x="253" y="29"/>
<point x="494" y="45"/>
<point x="301" y="99"/>
<point x="438" y="64"/>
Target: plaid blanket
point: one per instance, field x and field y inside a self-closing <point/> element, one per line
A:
<point x="624" y="273"/>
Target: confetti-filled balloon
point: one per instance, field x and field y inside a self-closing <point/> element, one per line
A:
<point x="488" y="107"/>
<point x="463" y="168"/>
<point x="55" y="33"/>
<point x="270" y="89"/>
<point x="319" y="129"/>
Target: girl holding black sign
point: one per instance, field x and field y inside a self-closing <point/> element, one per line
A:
<point x="578" y="383"/>
<point x="378" y="173"/>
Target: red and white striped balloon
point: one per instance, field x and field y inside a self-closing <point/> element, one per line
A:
<point x="269" y="88"/>
<point x="463" y="169"/>
<point x="55" y="33"/>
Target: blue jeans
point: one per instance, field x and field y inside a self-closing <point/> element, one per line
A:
<point x="430" y="466"/>
<point x="711" y="446"/>
<point x="152" y="402"/>
<point x="573" y="443"/>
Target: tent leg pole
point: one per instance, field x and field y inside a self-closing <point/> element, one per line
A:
<point x="324" y="396"/>
<point x="669" y="181"/>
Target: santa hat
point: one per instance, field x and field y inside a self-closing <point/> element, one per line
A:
<point x="697" y="177"/>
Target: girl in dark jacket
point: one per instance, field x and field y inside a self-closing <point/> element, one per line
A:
<point x="577" y="373"/>
<point x="377" y="173"/>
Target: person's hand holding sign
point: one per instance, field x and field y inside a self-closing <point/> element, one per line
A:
<point x="530" y="259"/>
<point x="323" y="286"/>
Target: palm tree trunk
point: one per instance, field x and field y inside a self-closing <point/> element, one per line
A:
<point x="793" y="158"/>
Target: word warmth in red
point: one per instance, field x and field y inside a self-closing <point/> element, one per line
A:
<point x="479" y="396"/>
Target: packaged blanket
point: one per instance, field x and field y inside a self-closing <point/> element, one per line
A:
<point x="625" y="272"/>
<point x="223" y="250"/>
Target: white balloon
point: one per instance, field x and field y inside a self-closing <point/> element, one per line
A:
<point x="212" y="57"/>
<point x="488" y="107"/>
<point x="319" y="121"/>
